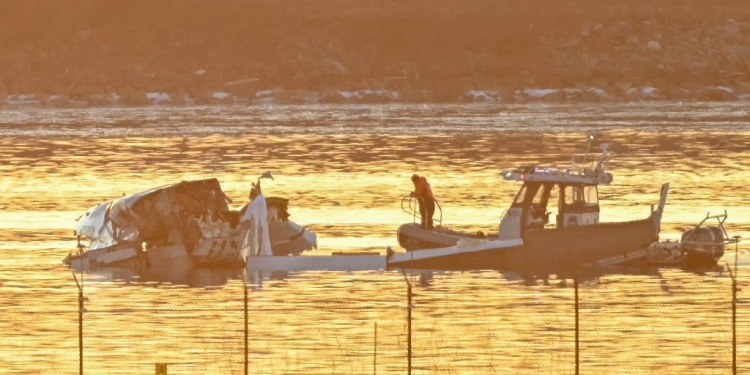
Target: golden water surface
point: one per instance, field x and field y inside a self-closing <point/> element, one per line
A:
<point x="345" y="169"/>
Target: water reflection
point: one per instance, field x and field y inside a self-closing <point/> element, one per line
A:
<point x="184" y="276"/>
<point x="345" y="170"/>
<point x="202" y="277"/>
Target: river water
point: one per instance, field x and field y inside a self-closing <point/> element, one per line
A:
<point x="345" y="169"/>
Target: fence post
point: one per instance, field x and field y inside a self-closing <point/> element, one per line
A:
<point x="408" y="317"/>
<point x="734" y="323"/>
<point x="80" y="321"/>
<point x="375" y="357"/>
<point x="734" y="310"/>
<point x="161" y="369"/>
<point x="575" y="283"/>
<point x="244" y="287"/>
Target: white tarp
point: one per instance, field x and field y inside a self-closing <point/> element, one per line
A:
<point x="257" y="242"/>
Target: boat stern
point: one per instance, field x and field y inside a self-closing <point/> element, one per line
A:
<point x="656" y="214"/>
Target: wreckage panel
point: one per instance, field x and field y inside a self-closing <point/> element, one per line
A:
<point x="191" y="218"/>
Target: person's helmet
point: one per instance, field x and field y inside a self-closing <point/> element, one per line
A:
<point x="414" y="178"/>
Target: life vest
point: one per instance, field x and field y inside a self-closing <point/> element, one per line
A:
<point x="422" y="189"/>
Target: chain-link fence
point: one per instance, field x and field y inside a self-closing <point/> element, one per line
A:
<point x="359" y="323"/>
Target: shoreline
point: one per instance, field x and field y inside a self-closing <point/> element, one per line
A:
<point x="307" y="97"/>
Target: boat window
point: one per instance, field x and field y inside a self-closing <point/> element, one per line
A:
<point x="553" y="197"/>
<point x="590" y="195"/>
<point x="539" y="195"/>
<point x="573" y="194"/>
<point x="520" y="196"/>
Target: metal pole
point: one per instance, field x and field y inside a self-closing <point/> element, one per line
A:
<point x="734" y="326"/>
<point x="409" y="316"/>
<point x="80" y="321"/>
<point x="80" y="331"/>
<point x="80" y="308"/>
<point x="575" y="282"/>
<point x="591" y="138"/>
<point x="244" y="286"/>
<point x="734" y="314"/>
<point x="375" y="358"/>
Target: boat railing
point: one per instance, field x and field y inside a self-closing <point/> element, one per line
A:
<point x="721" y="218"/>
<point x="409" y="205"/>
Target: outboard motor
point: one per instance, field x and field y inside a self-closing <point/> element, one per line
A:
<point x="704" y="246"/>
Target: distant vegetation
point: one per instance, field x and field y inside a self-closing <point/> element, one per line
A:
<point x="89" y="52"/>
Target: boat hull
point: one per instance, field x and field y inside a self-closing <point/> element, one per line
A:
<point x="541" y="251"/>
<point x="411" y="237"/>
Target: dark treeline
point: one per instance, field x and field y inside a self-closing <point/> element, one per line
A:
<point x="444" y="47"/>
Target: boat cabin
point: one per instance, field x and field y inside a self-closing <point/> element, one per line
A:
<point x="576" y="204"/>
<point x="573" y="192"/>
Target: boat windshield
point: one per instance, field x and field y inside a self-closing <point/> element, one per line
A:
<point x="539" y="195"/>
<point x="520" y="197"/>
<point x="590" y="195"/>
<point x="572" y="195"/>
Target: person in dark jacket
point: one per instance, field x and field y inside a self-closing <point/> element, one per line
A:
<point x="424" y="196"/>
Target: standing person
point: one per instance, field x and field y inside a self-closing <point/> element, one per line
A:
<point x="426" y="201"/>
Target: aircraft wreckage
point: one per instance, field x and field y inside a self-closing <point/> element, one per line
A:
<point x="186" y="223"/>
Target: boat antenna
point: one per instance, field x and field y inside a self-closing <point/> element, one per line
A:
<point x="591" y="139"/>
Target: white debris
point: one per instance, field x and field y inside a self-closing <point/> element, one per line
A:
<point x="650" y="91"/>
<point x="362" y="93"/>
<point x="350" y="94"/>
<point x="597" y="91"/>
<point x="487" y="96"/>
<point x="540" y="93"/>
<point x="158" y="97"/>
<point x="23" y="99"/>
